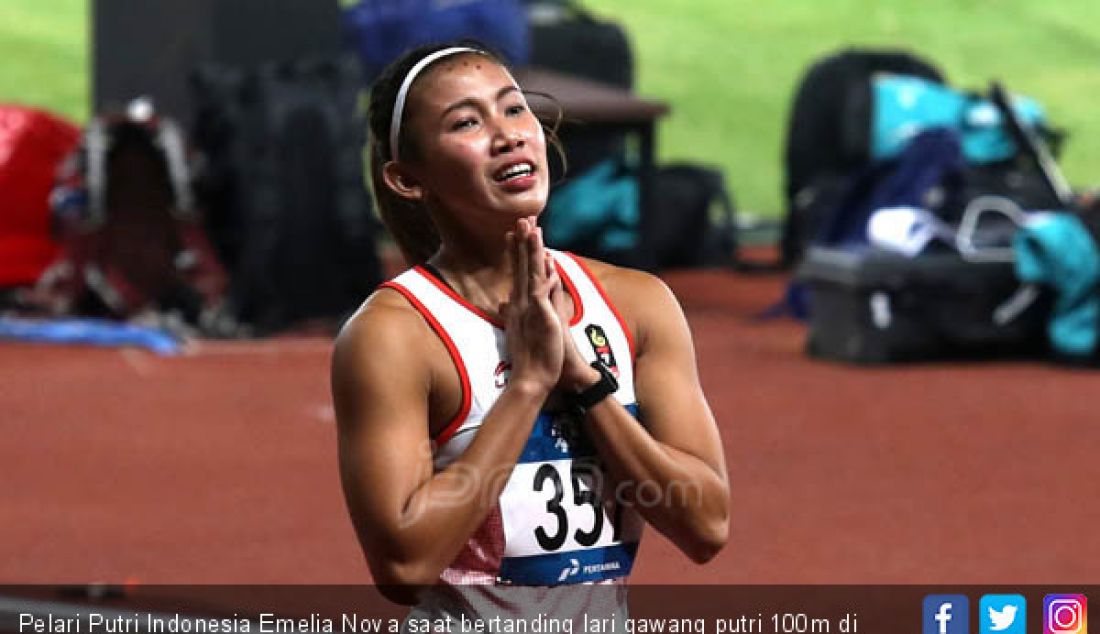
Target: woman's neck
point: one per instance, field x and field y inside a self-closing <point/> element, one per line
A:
<point x="480" y="272"/>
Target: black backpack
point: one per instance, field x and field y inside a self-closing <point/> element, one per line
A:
<point x="696" y="224"/>
<point x="284" y="187"/>
<point x="828" y="134"/>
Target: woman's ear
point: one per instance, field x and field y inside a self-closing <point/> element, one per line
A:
<point x="402" y="181"/>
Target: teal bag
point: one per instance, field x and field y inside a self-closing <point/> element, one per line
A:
<point x="599" y="207"/>
<point x="903" y="106"/>
<point x="1057" y="250"/>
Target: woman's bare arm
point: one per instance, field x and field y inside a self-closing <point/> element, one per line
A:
<point x="412" y="522"/>
<point x="673" y="469"/>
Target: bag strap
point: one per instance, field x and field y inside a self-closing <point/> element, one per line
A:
<point x="1032" y="145"/>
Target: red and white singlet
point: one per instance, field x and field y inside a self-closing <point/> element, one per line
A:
<point x="554" y="523"/>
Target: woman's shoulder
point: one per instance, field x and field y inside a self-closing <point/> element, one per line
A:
<point x="382" y="320"/>
<point x="623" y="283"/>
<point x="643" y="299"/>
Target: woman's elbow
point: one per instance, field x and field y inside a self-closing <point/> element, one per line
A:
<point x="401" y="581"/>
<point x="709" y="541"/>
<point x="394" y="563"/>
<point x="392" y="572"/>
<point x="710" y="535"/>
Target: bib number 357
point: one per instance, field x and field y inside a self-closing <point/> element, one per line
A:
<point x="583" y="516"/>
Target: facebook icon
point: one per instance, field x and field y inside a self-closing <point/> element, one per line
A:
<point x="946" y="614"/>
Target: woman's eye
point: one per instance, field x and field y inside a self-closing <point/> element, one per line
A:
<point x="464" y="123"/>
<point x="516" y="109"/>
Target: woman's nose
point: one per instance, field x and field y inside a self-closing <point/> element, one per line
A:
<point x="507" y="139"/>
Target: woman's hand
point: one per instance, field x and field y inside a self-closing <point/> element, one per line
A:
<point x="534" y="331"/>
<point x="576" y="373"/>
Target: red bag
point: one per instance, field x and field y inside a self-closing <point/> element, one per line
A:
<point x="32" y="145"/>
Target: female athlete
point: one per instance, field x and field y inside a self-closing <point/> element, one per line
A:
<point x="509" y="415"/>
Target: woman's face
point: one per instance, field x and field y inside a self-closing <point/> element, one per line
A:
<point x="481" y="153"/>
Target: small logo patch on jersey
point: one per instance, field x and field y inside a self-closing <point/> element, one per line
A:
<point x="602" y="347"/>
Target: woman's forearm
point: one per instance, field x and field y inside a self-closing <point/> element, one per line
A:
<point x="440" y="516"/>
<point x="677" y="493"/>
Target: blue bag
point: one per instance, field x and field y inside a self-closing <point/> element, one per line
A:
<point x="904" y="106"/>
<point x="932" y="159"/>
<point x="381" y="30"/>
<point x="97" y="332"/>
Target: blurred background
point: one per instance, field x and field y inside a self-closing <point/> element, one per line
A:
<point x="729" y="68"/>
<point x="182" y="184"/>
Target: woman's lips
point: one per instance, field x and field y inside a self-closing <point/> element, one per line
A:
<point x="517" y="177"/>
<point x="519" y="183"/>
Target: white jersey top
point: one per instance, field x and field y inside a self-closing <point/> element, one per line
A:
<point x="553" y="524"/>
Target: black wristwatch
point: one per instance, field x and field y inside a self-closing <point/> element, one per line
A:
<point x="606" y="386"/>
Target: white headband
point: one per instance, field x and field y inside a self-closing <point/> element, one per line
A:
<point x="403" y="93"/>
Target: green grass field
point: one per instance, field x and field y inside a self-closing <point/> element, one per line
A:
<point x="728" y="67"/>
<point x="44" y="45"/>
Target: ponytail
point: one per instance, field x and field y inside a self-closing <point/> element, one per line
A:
<point x="408" y="222"/>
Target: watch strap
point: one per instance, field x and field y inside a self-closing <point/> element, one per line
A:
<point x="606" y="386"/>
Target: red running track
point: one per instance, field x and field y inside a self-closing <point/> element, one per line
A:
<point x="219" y="466"/>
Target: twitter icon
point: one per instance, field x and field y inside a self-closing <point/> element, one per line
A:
<point x="1002" y="614"/>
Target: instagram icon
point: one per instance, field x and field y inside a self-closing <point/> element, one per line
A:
<point x="1065" y="614"/>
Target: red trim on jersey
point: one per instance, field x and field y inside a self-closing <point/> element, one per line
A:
<point x="578" y="311"/>
<point x="449" y="292"/>
<point x="463" y="375"/>
<point x="607" y="300"/>
<point x="578" y="303"/>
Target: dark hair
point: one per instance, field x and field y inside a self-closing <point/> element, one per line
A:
<point x="408" y="222"/>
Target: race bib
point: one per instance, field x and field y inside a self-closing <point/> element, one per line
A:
<point x="561" y="522"/>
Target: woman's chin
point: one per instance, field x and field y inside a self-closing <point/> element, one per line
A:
<point x="527" y="205"/>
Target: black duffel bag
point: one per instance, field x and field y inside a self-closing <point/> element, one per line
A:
<point x="875" y="306"/>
